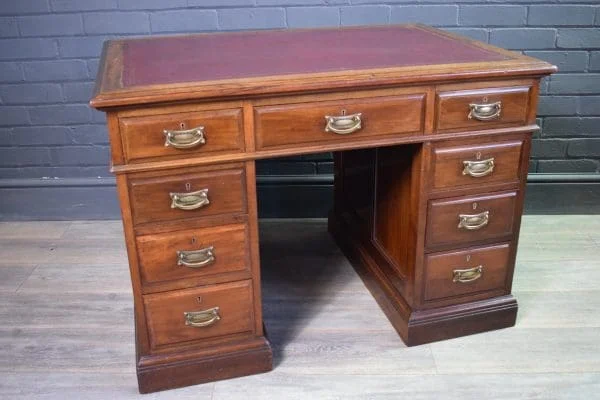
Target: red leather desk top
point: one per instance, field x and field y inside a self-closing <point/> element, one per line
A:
<point x="229" y="65"/>
<point x="175" y="59"/>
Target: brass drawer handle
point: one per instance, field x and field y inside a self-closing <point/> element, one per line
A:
<point x="472" y="222"/>
<point x="477" y="169"/>
<point x="485" y="112"/>
<point x="196" y="258"/>
<point x="190" y="200"/>
<point x="467" y="275"/>
<point x="202" y="319"/>
<point x="184" y="139"/>
<point x="343" y="124"/>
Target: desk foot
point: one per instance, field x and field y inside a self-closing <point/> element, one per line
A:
<point x="417" y="327"/>
<point x="461" y="320"/>
<point x="255" y="359"/>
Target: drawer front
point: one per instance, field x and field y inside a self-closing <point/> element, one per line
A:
<point x="201" y="313"/>
<point x="482" y="108"/>
<point x="471" y="219"/>
<point x="281" y="125"/>
<point x="193" y="253"/>
<point x="456" y="166"/>
<point x="458" y="273"/>
<point x="190" y="134"/>
<point x="185" y="196"/>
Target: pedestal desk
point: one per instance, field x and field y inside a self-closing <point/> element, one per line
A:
<point x="431" y="138"/>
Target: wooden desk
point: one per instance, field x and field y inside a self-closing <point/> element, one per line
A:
<point x="431" y="134"/>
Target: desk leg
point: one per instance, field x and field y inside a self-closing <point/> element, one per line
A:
<point x="204" y="361"/>
<point x="387" y="249"/>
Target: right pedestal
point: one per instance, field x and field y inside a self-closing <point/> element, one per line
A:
<point x="434" y="241"/>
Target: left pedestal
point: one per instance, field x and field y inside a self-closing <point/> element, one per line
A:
<point x="192" y="243"/>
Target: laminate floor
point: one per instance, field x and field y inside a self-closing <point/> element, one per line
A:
<point x="66" y="318"/>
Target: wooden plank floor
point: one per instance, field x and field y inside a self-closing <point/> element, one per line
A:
<point x="67" y="324"/>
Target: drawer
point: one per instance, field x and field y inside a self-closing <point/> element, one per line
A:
<point x="458" y="273"/>
<point x="473" y="165"/>
<point x="193" y="253"/>
<point x="481" y="108"/>
<point x="465" y="220"/>
<point x="201" y="313"/>
<point x="190" y="134"/>
<point x="184" y="196"/>
<point x="337" y="120"/>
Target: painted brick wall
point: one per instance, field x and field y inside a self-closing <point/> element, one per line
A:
<point x="49" y="50"/>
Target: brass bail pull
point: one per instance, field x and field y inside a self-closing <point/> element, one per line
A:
<point x="478" y="168"/>
<point x="196" y="258"/>
<point x="485" y="111"/>
<point x="467" y="275"/>
<point x="185" y="138"/>
<point x="202" y="319"/>
<point x="343" y="124"/>
<point x="190" y="200"/>
<point x="473" y="222"/>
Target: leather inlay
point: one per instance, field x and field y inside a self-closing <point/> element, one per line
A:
<point x="252" y="54"/>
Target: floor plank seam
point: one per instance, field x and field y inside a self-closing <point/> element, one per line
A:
<point x="212" y="390"/>
<point x="18" y="289"/>
<point x="62" y="236"/>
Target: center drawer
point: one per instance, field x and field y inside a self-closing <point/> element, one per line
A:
<point x="201" y="313"/>
<point x="471" y="219"/>
<point x="337" y="120"/>
<point x="194" y="253"/>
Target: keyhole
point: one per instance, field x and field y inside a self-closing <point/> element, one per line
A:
<point x="193" y="240"/>
<point x="485" y="99"/>
<point x="468" y="257"/>
<point x="478" y="155"/>
<point x="343" y="112"/>
<point x="475" y="206"/>
<point x="188" y="186"/>
<point x="199" y="299"/>
<point x="182" y="125"/>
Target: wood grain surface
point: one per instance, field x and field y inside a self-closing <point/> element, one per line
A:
<point x="67" y="321"/>
<point x="143" y="136"/>
<point x="448" y="168"/>
<point x="443" y="218"/>
<point x="439" y="267"/>
<point x="151" y="201"/>
<point x="158" y="256"/>
<point x="453" y="106"/>
<point x="165" y="313"/>
<point x="290" y="124"/>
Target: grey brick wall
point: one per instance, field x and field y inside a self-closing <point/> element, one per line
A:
<point x="49" y="57"/>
